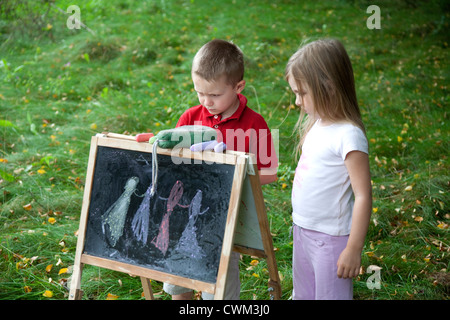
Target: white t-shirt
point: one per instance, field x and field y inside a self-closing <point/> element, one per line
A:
<point x="322" y="196"/>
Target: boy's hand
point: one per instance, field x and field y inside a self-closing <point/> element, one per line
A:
<point x="184" y="136"/>
<point x="267" y="175"/>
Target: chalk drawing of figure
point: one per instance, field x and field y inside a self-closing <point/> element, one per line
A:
<point x="162" y="240"/>
<point x="140" y="222"/>
<point x="115" y="216"/>
<point x="188" y="243"/>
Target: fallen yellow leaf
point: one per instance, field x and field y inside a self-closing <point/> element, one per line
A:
<point x="48" y="268"/>
<point x="27" y="207"/>
<point x="51" y="220"/>
<point x="48" y="294"/>
<point x="62" y="270"/>
<point x="442" y="225"/>
<point x="27" y="289"/>
<point x="111" y="296"/>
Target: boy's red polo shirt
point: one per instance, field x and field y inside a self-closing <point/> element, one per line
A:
<point x="245" y="131"/>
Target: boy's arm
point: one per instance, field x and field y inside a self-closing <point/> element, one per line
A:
<point x="349" y="261"/>
<point x="268" y="175"/>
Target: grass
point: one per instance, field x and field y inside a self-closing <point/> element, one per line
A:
<point x="59" y="87"/>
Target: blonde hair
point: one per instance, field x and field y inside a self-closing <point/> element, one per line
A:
<point x="217" y="58"/>
<point x="324" y="66"/>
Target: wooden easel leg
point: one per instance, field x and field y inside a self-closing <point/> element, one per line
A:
<point x="274" y="281"/>
<point x="75" y="292"/>
<point x="274" y="290"/>
<point x="147" y="286"/>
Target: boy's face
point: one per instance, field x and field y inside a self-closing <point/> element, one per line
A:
<point x="219" y="97"/>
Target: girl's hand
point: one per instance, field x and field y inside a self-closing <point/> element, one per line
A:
<point x="349" y="263"/>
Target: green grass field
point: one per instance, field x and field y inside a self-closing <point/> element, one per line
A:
<point x="129" y="72"/>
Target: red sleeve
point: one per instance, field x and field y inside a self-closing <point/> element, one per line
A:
<point x="264" y="149"/>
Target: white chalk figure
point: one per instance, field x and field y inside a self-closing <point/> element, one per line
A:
<point x="115" y="216"/>
<point x="188" y="243"/>
<point x="141" y="219"/>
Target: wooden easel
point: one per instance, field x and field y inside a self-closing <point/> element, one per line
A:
<point x="246" y="189"/>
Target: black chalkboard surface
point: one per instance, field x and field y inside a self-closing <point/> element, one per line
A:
<point x="178" y="230"/>
<point x="178" y="222"/>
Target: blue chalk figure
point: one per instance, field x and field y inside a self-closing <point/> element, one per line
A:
<point x="115" y="216"/>
<point x="188" y="243"/>
<point x="141" y="219"/>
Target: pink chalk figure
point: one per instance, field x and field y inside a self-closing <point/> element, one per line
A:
<point x="162" y="240"/>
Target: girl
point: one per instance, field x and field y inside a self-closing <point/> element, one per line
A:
<point x="331" y="194"/>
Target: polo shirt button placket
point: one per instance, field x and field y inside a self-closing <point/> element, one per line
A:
<point x="215" y="118"/>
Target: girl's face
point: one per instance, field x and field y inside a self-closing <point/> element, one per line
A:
<point x="303" y="97"/>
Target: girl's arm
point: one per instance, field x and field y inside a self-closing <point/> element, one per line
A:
<point x="349" y="261"/>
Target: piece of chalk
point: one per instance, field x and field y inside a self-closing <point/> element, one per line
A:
<point x="211" y="145"/>
<point x="202" y="146"/>
<point x="220" y="147"/>
<point x="143" y="137"/>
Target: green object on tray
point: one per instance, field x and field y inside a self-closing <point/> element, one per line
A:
<point x="184" y="136"/>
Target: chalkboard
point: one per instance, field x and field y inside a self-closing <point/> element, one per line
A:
<point x="179" y="229"/>
<point x="179" y="226"/>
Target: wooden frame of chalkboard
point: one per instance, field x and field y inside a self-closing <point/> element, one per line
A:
<point x="179" y="226"/>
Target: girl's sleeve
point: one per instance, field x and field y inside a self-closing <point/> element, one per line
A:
<point x="354" y="140"/>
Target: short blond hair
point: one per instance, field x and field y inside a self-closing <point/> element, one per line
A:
<point x="219" y="58"/>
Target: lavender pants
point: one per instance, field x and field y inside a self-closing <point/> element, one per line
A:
<point x="314" y="266"/>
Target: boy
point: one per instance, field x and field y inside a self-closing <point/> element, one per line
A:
<point x="218" y="77"/>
